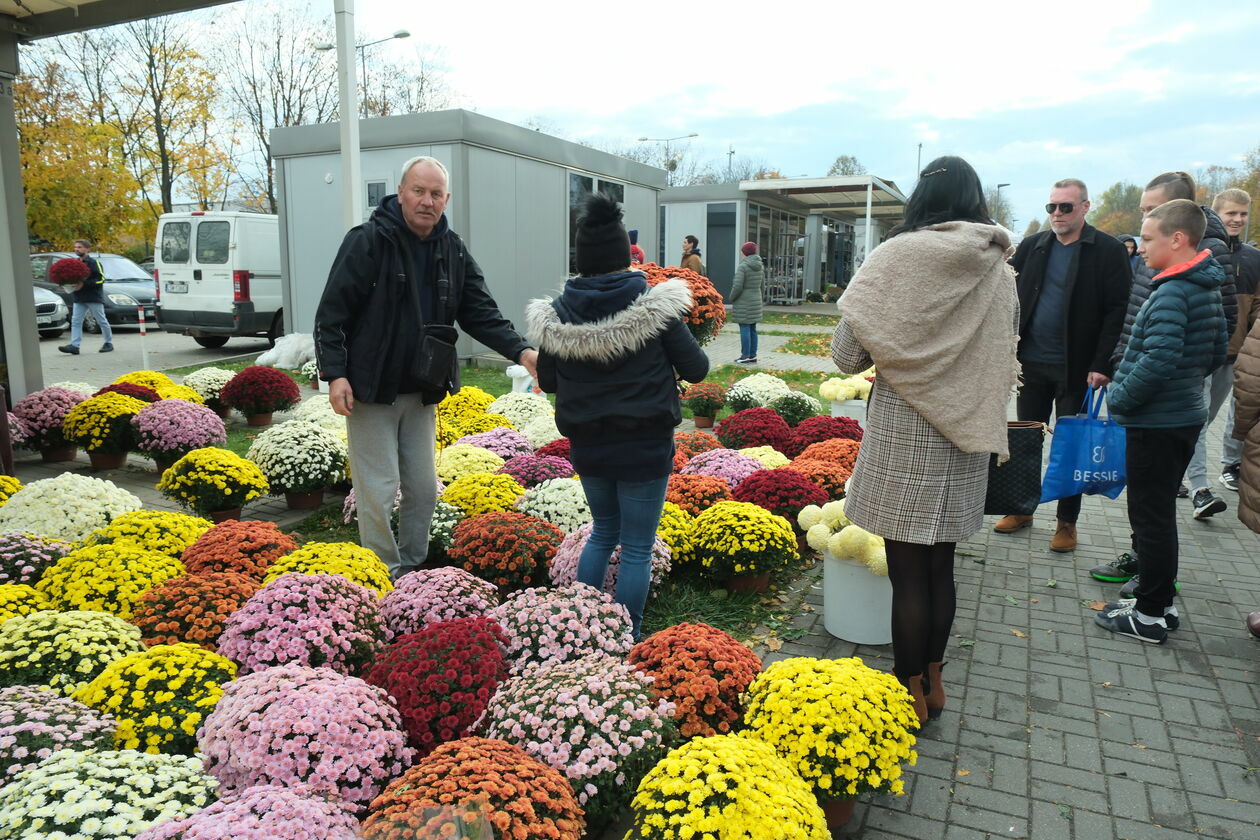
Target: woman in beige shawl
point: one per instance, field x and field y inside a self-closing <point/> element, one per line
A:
<point x="934" y="309"/>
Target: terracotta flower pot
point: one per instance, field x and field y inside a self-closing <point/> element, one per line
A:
<point x="52" y="454"/>
<point x="223" y="411"/>
<point x="748" y="583"/>
<point x="224" y="515"/>
<point x="703" y="422"/>
<point x="314" y="384"/>
<point x="262" y="419"/>
<point x="304" y="501"/>
<point x="107" y="460"/>
<point x="163" y="464"/>
<point x="838" y="811"/>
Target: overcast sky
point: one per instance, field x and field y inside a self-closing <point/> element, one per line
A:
<point x="1104" y="91"/>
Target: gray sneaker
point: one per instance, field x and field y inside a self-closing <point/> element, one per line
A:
<point x="1229" y="477"/>
<point x="1207" y="505"/>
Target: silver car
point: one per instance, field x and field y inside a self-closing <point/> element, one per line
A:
<point x="52" y="316"/>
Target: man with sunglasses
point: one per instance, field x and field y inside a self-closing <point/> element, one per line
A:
<point x="1073" y="283"/>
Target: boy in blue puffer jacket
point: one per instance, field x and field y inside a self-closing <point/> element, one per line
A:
<point x="1179" y="336"/>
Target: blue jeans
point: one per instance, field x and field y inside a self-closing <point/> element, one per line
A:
<point x="748" y="341"/>
<point x="76" y="322"/>
<point x="625" y="513"/>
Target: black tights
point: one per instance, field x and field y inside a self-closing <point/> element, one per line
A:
<point x="922" y="604"/>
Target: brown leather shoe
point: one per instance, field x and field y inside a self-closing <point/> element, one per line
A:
<point x="1064" y="537"/>
<point x="1253" y="623"/>
<point x="1012" y="523"/>
<point x="934" y="696"/>
<point x="915" y="686"/>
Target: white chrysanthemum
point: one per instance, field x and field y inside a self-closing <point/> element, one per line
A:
<point x="208" y="381"/>
<point x="68" y="507"/>
<point x="809" y="516"/>
<point x="560" y="501"/>
<point x="521" y="408"/>
<point x="760" y="389"/>
<point x="299" y="456"/>
<point x="818" y="536"/>
<point x="81" y="387"/>
<point x="833" y="515"/>
<point x="541" y="431"/>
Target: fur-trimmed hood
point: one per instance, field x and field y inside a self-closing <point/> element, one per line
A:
<point x="551" y="329"/>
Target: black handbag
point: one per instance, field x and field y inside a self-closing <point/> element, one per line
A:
<point x="1015" y="486"/>
<point x="434" y="365"/>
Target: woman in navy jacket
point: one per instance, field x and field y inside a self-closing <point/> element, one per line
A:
<point x="611" y="349"/>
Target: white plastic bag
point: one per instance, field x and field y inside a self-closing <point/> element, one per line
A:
<point x="290" y="353"/>
<point x="522" y="382"/>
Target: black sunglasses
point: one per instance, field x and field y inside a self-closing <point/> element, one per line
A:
<point x="1065" y="207"/>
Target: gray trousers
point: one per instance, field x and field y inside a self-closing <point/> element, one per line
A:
<point x="1218" y="386"/>
<point x="391" y="446"/>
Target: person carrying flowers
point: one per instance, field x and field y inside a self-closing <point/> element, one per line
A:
<point x="935" y="310"/>
<point x="384" y="340"/>
<point x="609" y="347"/>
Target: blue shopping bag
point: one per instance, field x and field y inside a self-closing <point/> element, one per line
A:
<point x="1086" y="454"/>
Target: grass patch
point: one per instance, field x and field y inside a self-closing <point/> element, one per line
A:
<point x="807" y="344"/>
<point x="801" y="319"/>
<point x="237" y="365"/>
<point x="325" y="525"/>
<point x="790" y="333"/>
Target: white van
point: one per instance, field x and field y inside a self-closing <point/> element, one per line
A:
<point x="218" y="275"/>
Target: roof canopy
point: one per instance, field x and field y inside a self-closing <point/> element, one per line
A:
<point x="838" y="196"/>
<point x="32" y="19"/>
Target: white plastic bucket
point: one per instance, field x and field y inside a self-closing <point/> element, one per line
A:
<point x="850" y="408"/>
<point x="857" y="604"/>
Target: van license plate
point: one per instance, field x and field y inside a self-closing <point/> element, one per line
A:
<point x="178" y="287"/>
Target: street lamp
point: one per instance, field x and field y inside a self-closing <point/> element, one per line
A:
<point x="667" y="139"/>
<point x="401" y="33"/>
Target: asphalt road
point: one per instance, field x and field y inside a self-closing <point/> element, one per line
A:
<point x="164" y="351"/>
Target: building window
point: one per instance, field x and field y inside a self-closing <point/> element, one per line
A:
<point x="376" y="192"/>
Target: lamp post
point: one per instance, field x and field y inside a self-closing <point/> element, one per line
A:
<point x="362" y="49"/>
<point x="997" y="195"/>
<point x="667" y="155"/>
<point x="352" y="199"/>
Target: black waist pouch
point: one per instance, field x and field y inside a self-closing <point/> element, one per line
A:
<point x="435" y="360"/>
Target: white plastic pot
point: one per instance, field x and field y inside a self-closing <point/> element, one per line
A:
<point x="850" y="408"/>
<point x="857" y="604"/>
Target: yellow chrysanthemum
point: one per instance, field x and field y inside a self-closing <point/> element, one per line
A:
<point x="354" y="562"/>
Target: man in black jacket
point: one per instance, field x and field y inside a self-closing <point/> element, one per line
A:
<point x="398" y="278"/>
<point x="88" y="297"/>
<point x="1073" y="285"/>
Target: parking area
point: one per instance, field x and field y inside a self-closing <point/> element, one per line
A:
<point x="164" y="350"/>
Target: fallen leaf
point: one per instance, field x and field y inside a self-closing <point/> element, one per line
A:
<point x="1019" y="633"/>
<point x="1052" y="583"/>
<point x="1140" y="746"/>
<point x="965" y="643"/>
<point x="1033" y="601"/>
<point x="774" y="644"/>
<point x="1012" y="601"/>
<point x="1106" y="685"/>
<point x="964" y="772"/>
<point x="1096" y="606"/>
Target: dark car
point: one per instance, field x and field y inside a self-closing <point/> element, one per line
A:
<point x="127" y="287"/>
<point x="52" y="316"/>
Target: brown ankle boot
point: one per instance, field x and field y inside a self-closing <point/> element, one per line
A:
<point x="934" y="697"/>
<point x="915" y="686"/>
<point x="1011" y="523"/>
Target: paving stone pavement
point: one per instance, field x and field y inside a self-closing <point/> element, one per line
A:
<point x="1056" y="729"/>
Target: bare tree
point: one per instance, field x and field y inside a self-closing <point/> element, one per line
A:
<point x="409" y="87"/>
<point x="999" y="206"/>
<point x="271" y="76"/>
